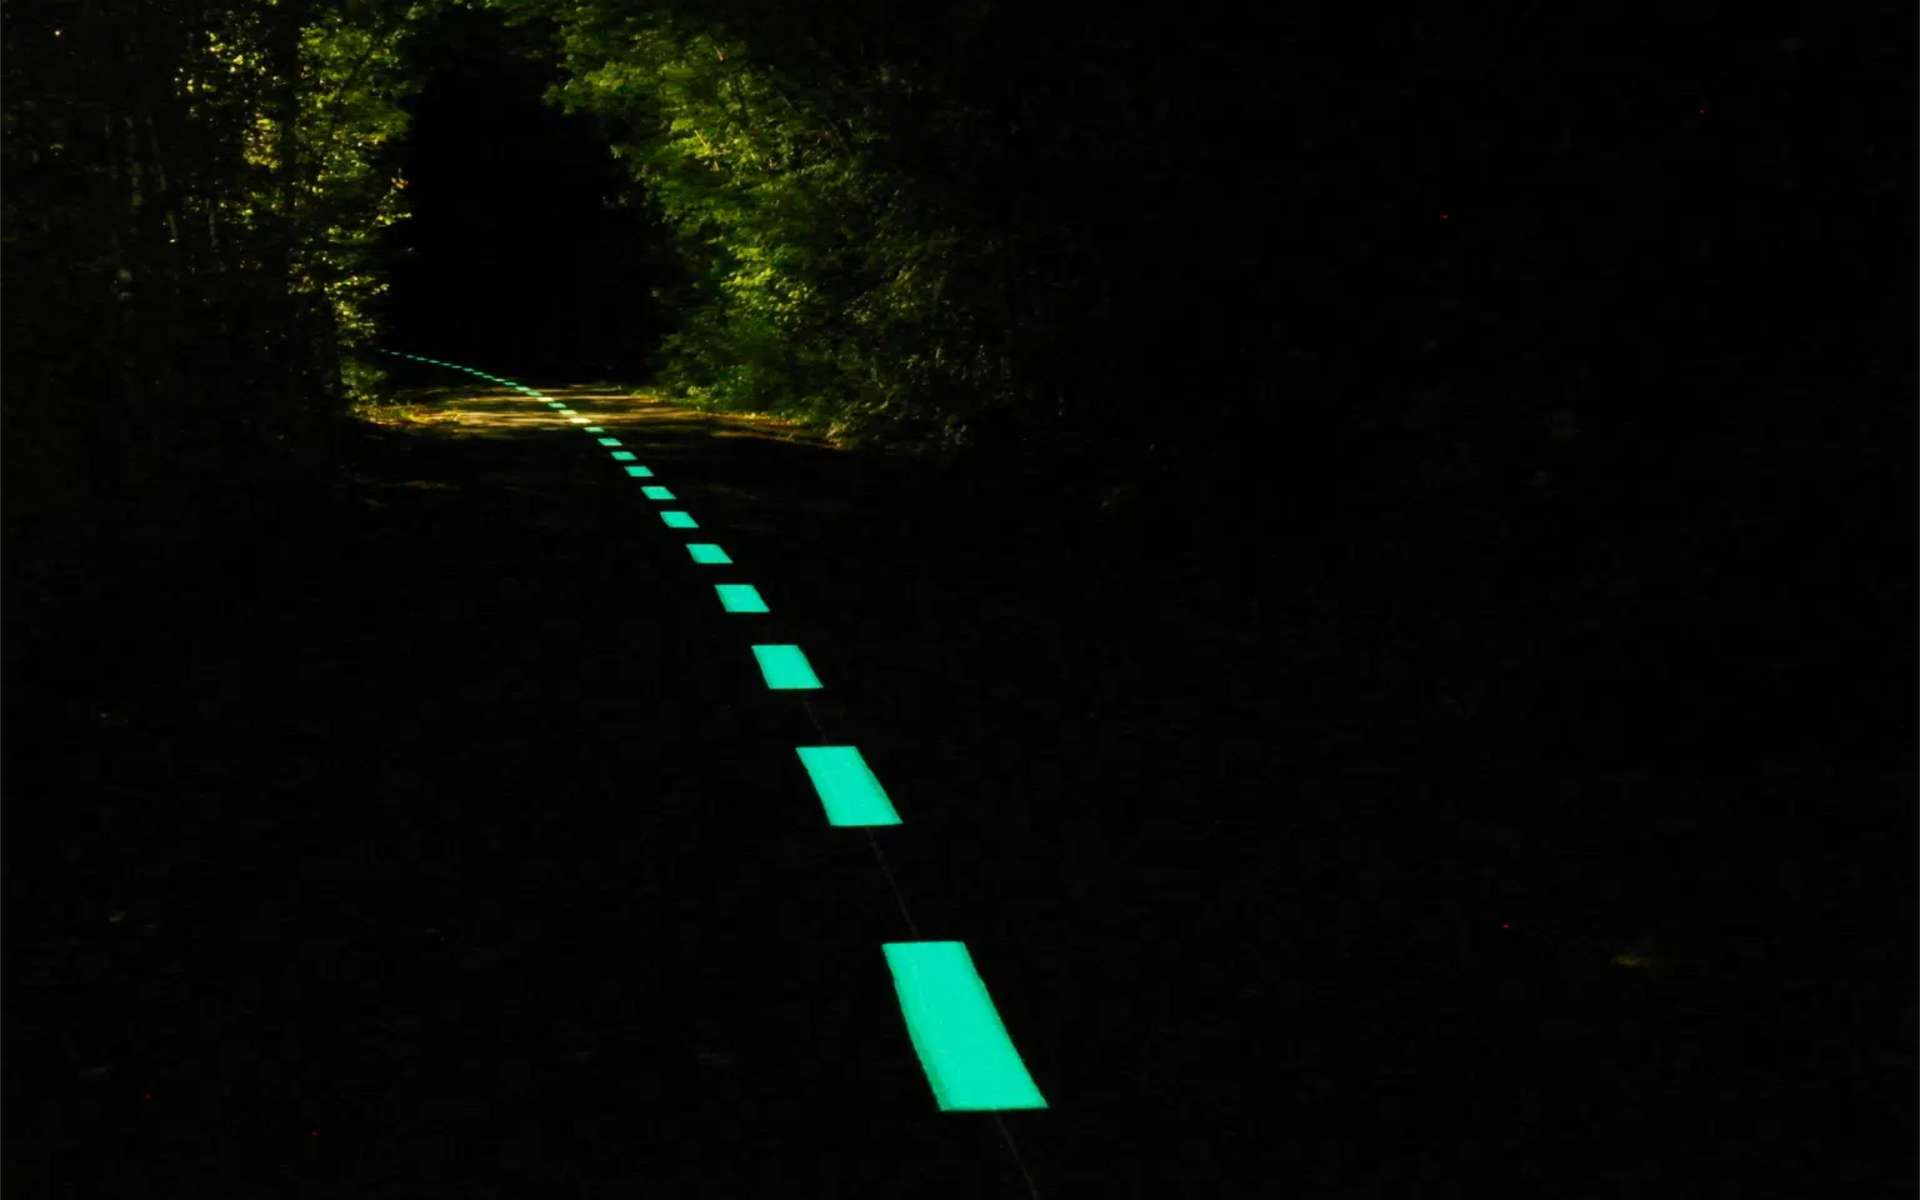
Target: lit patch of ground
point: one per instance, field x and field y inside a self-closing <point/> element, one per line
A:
<point x="492" y="411"/>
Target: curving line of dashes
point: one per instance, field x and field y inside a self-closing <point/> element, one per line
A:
<point x="963" y="1047"/>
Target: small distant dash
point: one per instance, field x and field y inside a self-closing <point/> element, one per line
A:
<point x="623" y="456"/>
<point x="640" y="472"/>
<point x="609" y="441"/>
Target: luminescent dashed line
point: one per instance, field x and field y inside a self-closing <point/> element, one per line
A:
<point x="740" y="598"/>
<point x="963" y="1046"/>
<point x="785" y="668"/>
<point x="849" y="792"/>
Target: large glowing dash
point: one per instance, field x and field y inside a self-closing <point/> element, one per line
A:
<point x="956" y="1031"/>
<point x="656" y="492"/>
<point x="678" y="520"/>
<point x="623" y="456"/>
<point x="786" y="669"/>
<point x="639" y="472"/>
<point x="740" y="598"/>
<point x="707" y="552"/>
<point x="848" y="789"/>
<point x="608" y="441"/>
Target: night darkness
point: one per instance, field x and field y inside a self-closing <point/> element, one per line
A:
<point x="517" y="254"/>
<point x="1371" y="553"/>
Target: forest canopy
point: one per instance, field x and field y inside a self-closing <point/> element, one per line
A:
<point x="1145" y="235"/>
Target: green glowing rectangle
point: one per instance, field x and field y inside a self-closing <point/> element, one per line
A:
<point x="678" y="520"/>
<point x="656" y="492"/>
<point x="847" y="787"/>
<point x="956" y="1031"/>
<point x="740" y="598"/>
<point x="623" y="456"/>
<point x="707" y="552"/>
<point x="592" y="428"/>
<point x="640" y="472"/>
<point x="608" y="441"/>
<point x="555" y="404"/>
<point x="785" y="668"/>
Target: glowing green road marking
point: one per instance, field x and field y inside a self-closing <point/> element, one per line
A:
<point x="956" y="1031"/>
<point x="623" y="456"/>
<point x="847" y="787"/>
<point x="707" y="552"/>
<point x="678" y="520"/>
<point x="640" y="472"/>
<point x="785" y="668"/>
<point x="555" y="404"/>
<point x="607" y="441"/>
<point x="740" y="598"/>
<point x="654" y="492"/>
<point x="594" y="429"/>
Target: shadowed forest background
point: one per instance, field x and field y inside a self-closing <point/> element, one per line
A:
<point x="1542" y="375"/>
<point x="1581" y="340"/>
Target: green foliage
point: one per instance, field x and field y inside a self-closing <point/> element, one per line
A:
<point x="822" y="280"/>
<point x="192" y="197"/>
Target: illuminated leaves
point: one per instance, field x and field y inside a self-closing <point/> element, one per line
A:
<point x="821" y="282"/>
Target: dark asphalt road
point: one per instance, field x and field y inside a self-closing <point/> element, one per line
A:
<point x="446" y="843"/>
